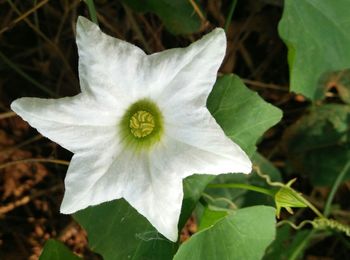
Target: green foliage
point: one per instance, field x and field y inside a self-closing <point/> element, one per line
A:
<point x="55" y="250"/>
<point x="242" y="114"/>
<point x="178" y="16"/>
<point x="317" y="36"/>
<point x="244" y="234"/>
<point x="318" y="144"/>
<point x="117" y="231"/>
<point x="210" y="217"/>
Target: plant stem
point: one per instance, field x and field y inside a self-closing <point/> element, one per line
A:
<point x="243" y="186"/>
<point x="311" y="206"/>
<point x="338" y="181"/>
<point x="230" y="14"/>
<point x="92" y="10"/>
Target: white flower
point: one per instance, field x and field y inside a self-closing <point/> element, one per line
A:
<point x="139" y="126"/>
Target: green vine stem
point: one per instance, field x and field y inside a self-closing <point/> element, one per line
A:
<point x="338" y="181"/>
<point x="243" y="186"/>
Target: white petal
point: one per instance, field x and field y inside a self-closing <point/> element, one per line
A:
<point x="197" y="142"/>
<point x="76" y="123"/>
<point x="96" y="176"/>
<point x="156" y="193"/>
<point x="187" y="74"/>
<point x="109" y="67"/>
<point x="152" y="190"/>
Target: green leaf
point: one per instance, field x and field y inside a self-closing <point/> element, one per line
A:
<point x="317" y="36"/>
<point x="244" y="234"/>
<point x="54" y="250"/>
<point x="210" y="217"/>
<point x="318" y="145"/>
<point x="178" y="16"/>
<point x="242" y="114"/>
<point x="117" y="231"/>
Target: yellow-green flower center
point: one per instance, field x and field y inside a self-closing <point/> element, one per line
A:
<point x="141" y="124"/>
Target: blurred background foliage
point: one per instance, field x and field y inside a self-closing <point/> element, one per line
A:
<point x="274" y="46"/>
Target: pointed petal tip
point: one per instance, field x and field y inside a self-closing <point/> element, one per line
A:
<point x="245" y="168"/>
<point x="19" y="105"/>
<point x="67" y="207"/>
<point x="82" y="20"/>
<point x="172" y="235"/>
<point x="248" y="169"/>
<point x="219" y="30"/>
<point x="66" y="210"/>
<point x="247" y="165"/>
<point x="13" y="105"/>
<point x="219" y="33"/>
<point x="216" y="40"/>
<point x="84" y="24"/>
<point x="173" y="238"/>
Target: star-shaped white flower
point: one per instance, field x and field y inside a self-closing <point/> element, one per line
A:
<point x="139" y="126"/>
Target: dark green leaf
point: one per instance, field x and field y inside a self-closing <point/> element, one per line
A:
<point x="317" y="36"/>
<point x="54" y="250"/>
<point x="179" y="16"/>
